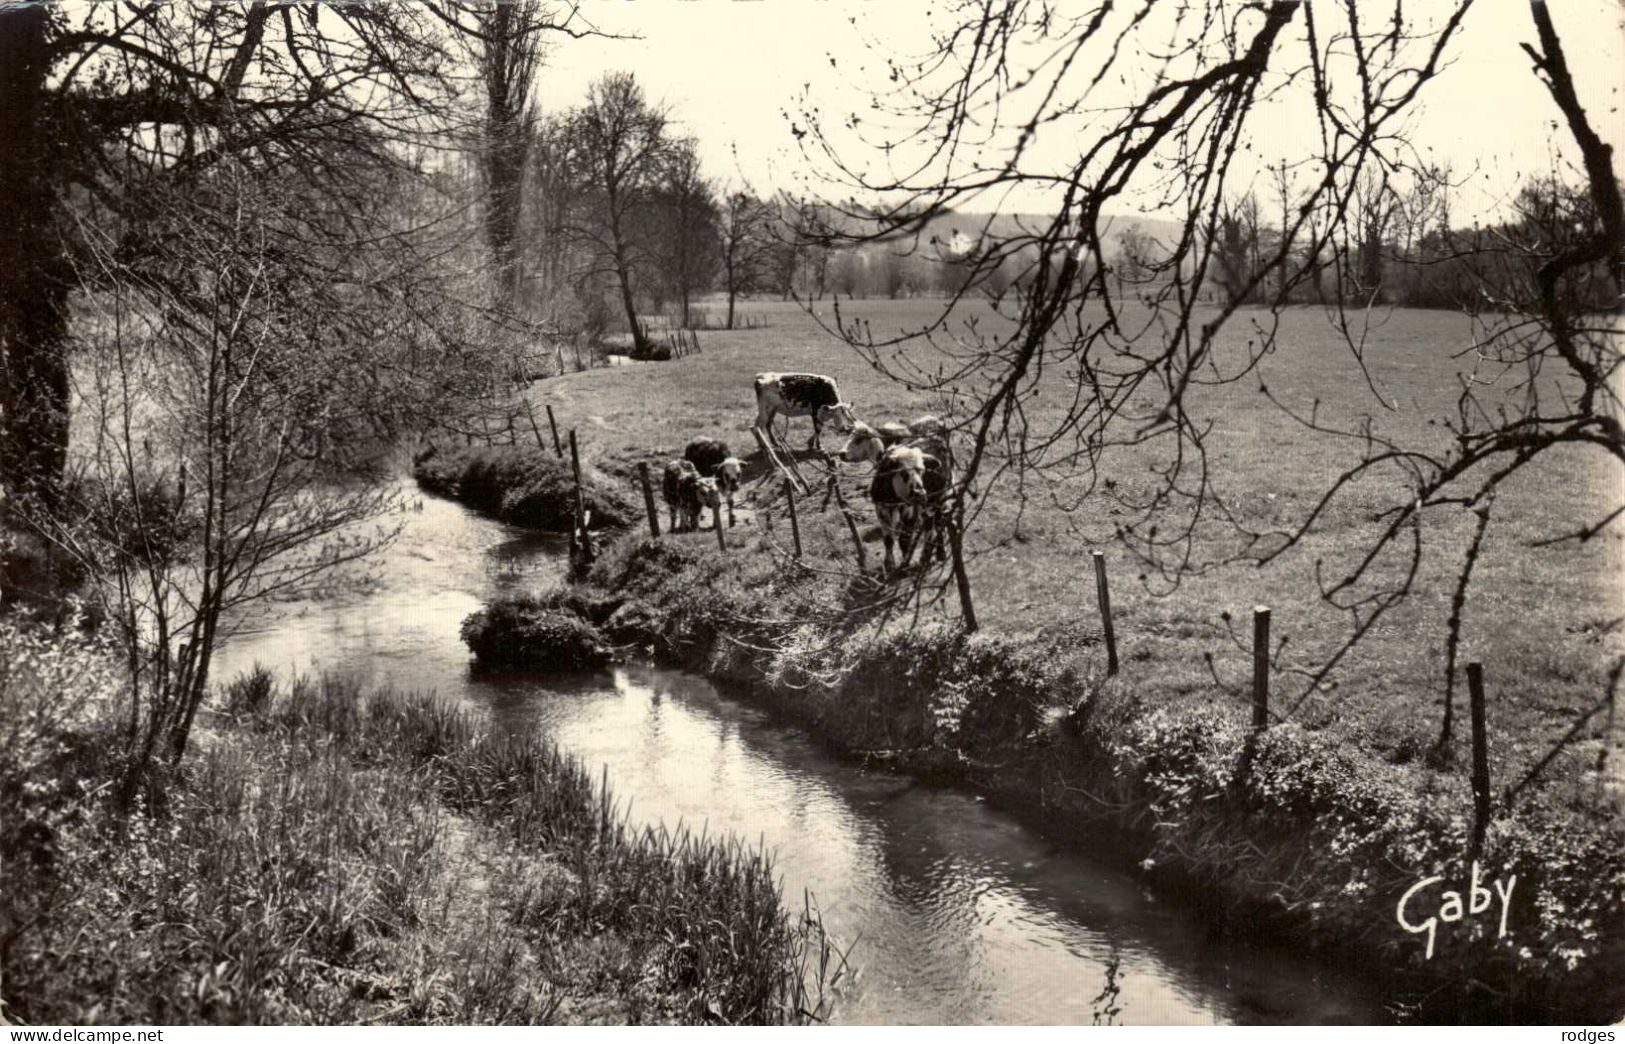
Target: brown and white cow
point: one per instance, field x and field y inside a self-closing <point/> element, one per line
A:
<point x="801" y="395"/>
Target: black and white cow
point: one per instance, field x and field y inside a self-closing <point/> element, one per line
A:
<point x="913" y="514"/>
<point x="801" y="395"/>
<point x="869" y="443"/>
<point x="705" y="454"/>
<point x="686" y="493"/>
<point x="713" y="459"/>
<point x="899" y="494"/>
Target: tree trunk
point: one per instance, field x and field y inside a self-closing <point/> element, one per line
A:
<point x="731" y="294"/>
<point x="35" y="274"/>
<point x="640" y="344"/>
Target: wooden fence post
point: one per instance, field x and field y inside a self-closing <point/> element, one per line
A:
<point x="558" y="451"/>
<point x="541" y="443"/>
<point x="649" y="499"/>
<point x="857" y="541"/>
<point x="1261" y="667"/>
<point x="795" y="523"/>
<point x="1481" y="755"/>
<point x="716" y="524"/>
<point x="1104" y="596"/>
<point x="581" y="517"/>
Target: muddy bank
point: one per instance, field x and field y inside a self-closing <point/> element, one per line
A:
<point x="1285" y="833"/>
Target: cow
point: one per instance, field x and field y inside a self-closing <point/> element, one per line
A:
<point x="727" y="479"/>
<point x="925" y="525"/>
<point x="705" y="454"/>
<point x="713" y="459"/>
<point x="898" y="492"/>
<point x="801" y="395"/>
<point x="869" y="443"/>
<point x="686" y="493"/>
<point x="677" y="474"/>
<point x="703" y="493"/>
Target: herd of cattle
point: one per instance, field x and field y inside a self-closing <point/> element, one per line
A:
<point x="913" y="465"/>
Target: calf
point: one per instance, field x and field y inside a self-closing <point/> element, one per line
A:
<point x="686" y="494"/>
<point x="706" y="454"/>
<point x="801" y="395"/>
<point x="703" y="493"/>
<point x="727" y="479"/>
<point x="675" y="483"/>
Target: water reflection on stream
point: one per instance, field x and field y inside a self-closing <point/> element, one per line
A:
<point x="960" y="913"/>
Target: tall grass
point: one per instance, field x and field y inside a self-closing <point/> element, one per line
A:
<point x="329" y="856"/>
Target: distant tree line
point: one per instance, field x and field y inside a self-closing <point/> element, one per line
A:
<point x="1398" y="248"/>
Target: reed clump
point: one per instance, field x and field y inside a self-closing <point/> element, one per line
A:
<point x="329" y="855"/>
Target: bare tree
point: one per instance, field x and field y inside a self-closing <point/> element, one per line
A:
<point x="1376" y="209"/>
<point x="620" y="146"/>
<point x="689" y="244"/>
<point x="237" y="442"/>
<point x="1182" y="141"/>
<point x="506" y="39"/>
<point x="746" y="248"/>
<point x="1134" y="253"/>
<point x="110" y="103"/>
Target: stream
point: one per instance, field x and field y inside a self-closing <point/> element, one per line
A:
<point x="955" y="911"/>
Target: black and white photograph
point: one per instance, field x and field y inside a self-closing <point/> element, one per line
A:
<point x="668" y="513"/>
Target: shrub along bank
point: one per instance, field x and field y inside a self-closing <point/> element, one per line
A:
<point x="525" y="487"/>
<point x="1285" y="831"/>
<point x="330" y="856"/>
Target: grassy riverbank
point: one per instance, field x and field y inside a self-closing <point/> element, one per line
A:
<point x="1317" y="828"/>
<point x="332" y="856"/>
<point x="1290" y="832"/>
<point x="522" y="486"/>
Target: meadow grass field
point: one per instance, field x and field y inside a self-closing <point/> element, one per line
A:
<point x="1545" y="621"/>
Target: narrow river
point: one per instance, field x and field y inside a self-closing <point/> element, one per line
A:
<point x="956" y="912"/>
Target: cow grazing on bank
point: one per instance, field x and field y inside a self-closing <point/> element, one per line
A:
<point x="801" y="395"/>
<point x="686" y="494"/>
<point x="678" y="475"/>
<point x="867" y="443"/>
<point x="706" y="454"/>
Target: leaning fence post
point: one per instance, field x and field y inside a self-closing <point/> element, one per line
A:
<point x="530" y="413"/>
<point x="1104" y="596"/>
<point x="649" y="499"/>
<point x="1481" y="755"/>
<point x="1261" y="667"/>
<point x="857" y="541"/>
<point x="581" y="519"/>
<point x="558" y="451"/>
<point x="795" y="523"/>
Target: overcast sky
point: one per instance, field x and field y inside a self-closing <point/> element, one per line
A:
<point x="731" y="69"/>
